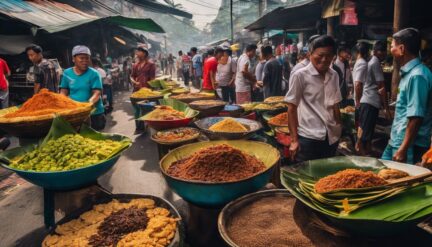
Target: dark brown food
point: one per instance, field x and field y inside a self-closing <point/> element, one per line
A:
<point x="219" y="163"/>
<point x="348" y="179"/>
<point x="267" y="222"/>
<point x="118" y="224"/>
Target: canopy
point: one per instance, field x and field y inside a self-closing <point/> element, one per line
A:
<point x="301" y="15"/>
<point x="55" y="17"/>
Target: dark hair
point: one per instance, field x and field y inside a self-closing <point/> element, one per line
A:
<point x="210" y="52"/>
<point x="180" y="53"/>
<point x="141" y="49"/>
<point x="380" y="46"/>
<point x="194" y="49"/>
<point x="228" y="51"/>
<point x="362" y="48"/>
<point x="266" y="50"/>
<point x="410" y="38"/>
<point x="34" y="48"/>
<point x="251" y="47"/>
<point x="218" y="50"/>
<point x="343" y="48"/>
<point x="96" y="61"/>
<point x="323" y="41"/>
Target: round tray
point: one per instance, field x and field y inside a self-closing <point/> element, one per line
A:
<point x="208" y="110"/>
<point x="206" y="123"/>
<point x="177" y="142"/>
<point x="160" y="202"/>
<point x="153" y="98"/>
<point x="189" y="100"/>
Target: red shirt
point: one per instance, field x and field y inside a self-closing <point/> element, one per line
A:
<point x="143" y="72"/>
<point x="4" y="70"/>
<point x="209" y="65"/>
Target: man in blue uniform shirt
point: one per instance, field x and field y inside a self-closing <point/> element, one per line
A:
<point x="411" y="129"/>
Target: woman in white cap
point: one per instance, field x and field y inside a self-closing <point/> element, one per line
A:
<point x="84" y="84"/>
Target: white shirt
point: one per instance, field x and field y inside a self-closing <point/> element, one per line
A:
<point x="370" y="87"/>
<point x="360" y="70"/>
<point x="342" y="66"/>
<point x="300" y="65"/>
<point x="315" y="99"/>
<point x="224" y="72"/>
<point x="242" y="84"/>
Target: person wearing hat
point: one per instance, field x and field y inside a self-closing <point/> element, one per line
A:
<point x="142" y="71"/>
<point x="84" y="84"/>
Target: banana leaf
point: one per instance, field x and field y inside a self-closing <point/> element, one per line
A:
<point x="387" y="204"/>
<point x="155" y="84"/>
<point x="179" y="106"/>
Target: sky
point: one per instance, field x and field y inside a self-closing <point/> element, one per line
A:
<point x="203" y="11"/>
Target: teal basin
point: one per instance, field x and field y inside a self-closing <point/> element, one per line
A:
<point x="217" y="194"/>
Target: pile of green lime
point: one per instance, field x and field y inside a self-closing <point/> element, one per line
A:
<point x="66" y="153"/>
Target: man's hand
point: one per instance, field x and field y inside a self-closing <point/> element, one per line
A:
<point x="388" y="114"/>
<point x="260" y="83"/>
<point x="357" y="104"/>
<point x="293" y="149"/>
<point x="400" y="155"/>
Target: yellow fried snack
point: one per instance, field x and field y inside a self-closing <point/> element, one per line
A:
<point x="159" y="232"/>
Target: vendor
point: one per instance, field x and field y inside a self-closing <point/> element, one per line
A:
<point x="142" y="71"/>
<point x="44" y="71"/>
<point x="411" y="130"/>
<point x="313" y="105"/>
<point x="84" y="84"/>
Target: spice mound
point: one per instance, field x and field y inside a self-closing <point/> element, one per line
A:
<point x="68" y="152"/>
<point x="218" y="163"/>
<point x="279" y="120"/>
<point x="118" y="224"/>
<point x="192" y="95"/>
<point x="165" y="113"/>
<point x="43" y="103"/>
<point x="228" y="125"/>
<point x="348" y="179"/>
<point x="135" y="223"/>
<point x="268" y="221"/>
<point x="176" y="134"/>
<point x="145" y="93"/>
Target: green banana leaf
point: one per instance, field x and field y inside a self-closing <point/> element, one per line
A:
<point x="382" y="203"/>
<point x="155" y="84"/>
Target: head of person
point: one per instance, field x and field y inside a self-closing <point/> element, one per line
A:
<point x="34" y="53"/>
<point x="180" y="53"/>
<point x="278" y="51"/>
<point x="362" y="49"/>
<point x="406" y="45"/>
<point x="302" y="55"/>
<point x="96" y="62"/>
<point x="310" y="40"/>
<point x="322" y="51"/>
<point x="380" y="50"/>
<point x="344" y="53"/>
<point x="288" y="42"/>
<point x="141" y="53"/>
<point x="81" y="57"/>
<point x="267" y="52"/>
<point x="210" y="52"/>
<point x="194" y="51"/>
<point x="251" y="50"/>
<point x="218" y="52"/>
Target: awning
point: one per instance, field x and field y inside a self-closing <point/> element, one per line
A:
<point x="161" y="7"/>
<point x="55" y="17"/>
<point x="14" y="44"/>
<point x="301" y="15"/>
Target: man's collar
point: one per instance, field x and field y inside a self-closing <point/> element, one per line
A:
<point x="409" y="66"/>
<point x="312" y="69"/>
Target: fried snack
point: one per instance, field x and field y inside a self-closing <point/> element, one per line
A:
<point x="145" y="93"/>
<point x="228" y="125"/>
<point x="263" y="106"/>
<point x="176" y="134"/>
<point x="389" y="174"/>
<point x="274" y="99"/>
<point x="135" y="223"/>
<point x="348" y="179"/>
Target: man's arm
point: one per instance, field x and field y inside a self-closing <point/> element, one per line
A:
<point x="248" y="75"/>
<point x="411" y="131"/>
<point x="213" y="79"/>
<point x="358" y="88"/>
<point x="293" y="126"/>
<point x="336" y="110"/>
<point x="96" y="94"/>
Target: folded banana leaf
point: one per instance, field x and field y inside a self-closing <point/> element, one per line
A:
<point x="383" y="203"/>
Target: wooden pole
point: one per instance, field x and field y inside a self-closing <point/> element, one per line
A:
<point x="231" y="20"/>
<point x="400" y="21"/>
<point x="330" y="26"/>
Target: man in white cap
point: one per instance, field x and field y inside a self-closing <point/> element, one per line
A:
<point x="84" y="84"/>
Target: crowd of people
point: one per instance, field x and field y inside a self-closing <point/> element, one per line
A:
<point x="317" y="81"/>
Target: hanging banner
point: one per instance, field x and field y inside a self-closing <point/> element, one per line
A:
<point x="348" y="15"/>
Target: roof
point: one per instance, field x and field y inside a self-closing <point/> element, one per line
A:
<point x="161" y="7"/>
<point x="55" y="17"/>
<point x="300" y="15"/>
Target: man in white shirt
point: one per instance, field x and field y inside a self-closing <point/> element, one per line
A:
<point x="244" y="79"/>
<point x="313" y="105"/>
<point x="342" y="61"/>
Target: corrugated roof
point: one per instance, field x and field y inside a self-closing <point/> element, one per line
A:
<point x="55" y="17"/>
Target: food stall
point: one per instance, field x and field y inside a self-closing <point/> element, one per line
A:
<point x="218" y="168"/>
